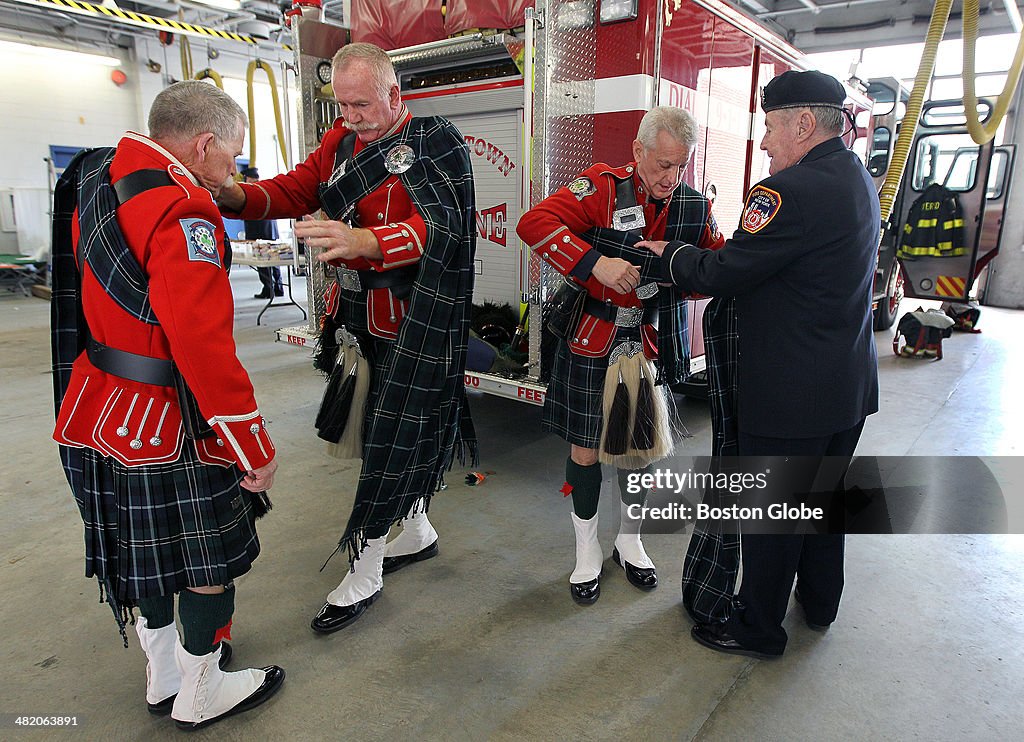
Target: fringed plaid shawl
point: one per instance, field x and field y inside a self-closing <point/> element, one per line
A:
<point x="687" y="215"/>
<point x="85" y="186"/>
<point x="421" y="421"/>
<point x="713" y="556"/>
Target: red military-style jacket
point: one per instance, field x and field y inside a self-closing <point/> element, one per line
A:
<point x="388" y="212"/>
<point x="176" y="234"/>
<point x="553" y="227"/>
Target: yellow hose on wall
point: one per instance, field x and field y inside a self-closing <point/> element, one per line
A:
<point x="250" y="70"/>
<point x="186" y="57"/>
<point x="901" y="152"/>
<point x="212" y="74"/>
<point x="979" y="133"/>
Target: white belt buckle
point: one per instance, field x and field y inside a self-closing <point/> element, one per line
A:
<point x="348" y="279"/>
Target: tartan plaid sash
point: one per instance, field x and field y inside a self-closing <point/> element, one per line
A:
<point x="85" y="185"/>
<point x="421" y="420"/>
<point x="687" y="215"/>
<point x="713" y="557"/>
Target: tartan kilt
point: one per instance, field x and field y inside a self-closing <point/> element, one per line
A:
<point x="574" y="399"/>
<point x="156" y="530"/>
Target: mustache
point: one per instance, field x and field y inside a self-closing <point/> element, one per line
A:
<point x="362" y="126"/>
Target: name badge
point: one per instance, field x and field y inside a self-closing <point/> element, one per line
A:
<point x="626" y="220"/>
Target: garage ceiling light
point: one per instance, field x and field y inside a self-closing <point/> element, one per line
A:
<point x="618" y="10"/>
<point x="52" y="54"/>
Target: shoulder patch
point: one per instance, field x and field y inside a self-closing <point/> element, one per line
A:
<point x="582" y="187"/>
<point x="761" y="207"/>
<point x="201" y="238"/>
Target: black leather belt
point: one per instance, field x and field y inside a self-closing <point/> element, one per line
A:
<point x="398" y="278"/>
<point x="621" y="316"/>
<point x="139" y="181"/>
<point x="131" y="366"/>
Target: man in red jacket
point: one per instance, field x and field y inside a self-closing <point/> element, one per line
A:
<point x="587" y="231"/>
<point x="165" y="449"/>
<point x="398" y="195"/>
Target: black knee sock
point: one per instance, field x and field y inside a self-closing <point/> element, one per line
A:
<point x="158" y="611"/>
<point x="205" y="619"/>
<point x="638" y="495"/>
<point x="586" y="488"/>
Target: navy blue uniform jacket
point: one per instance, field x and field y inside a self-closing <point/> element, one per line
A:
<point x="801" y="266"/>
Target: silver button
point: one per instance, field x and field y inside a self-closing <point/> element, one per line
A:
<point x="380" y="215"/>
<point x="392" y="225"/>
<point x="220" y="442"/>
<point x="554" y="248"/>
<point x="629" y="169"/>
<point x="122" y="431"/>
<point x="254" y="428"/>
<point x="155" y="440"/>
<point x="585" y="341"/>
<point x="567" y="238"/>
<point x="136" y="444"/>
<point x="405" y="232"/>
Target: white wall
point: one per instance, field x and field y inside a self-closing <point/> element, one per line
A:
<point x="77" y="104"/>
<point x="43" y="104"/>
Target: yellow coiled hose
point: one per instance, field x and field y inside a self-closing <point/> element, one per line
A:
<point x="901" y="151"/>
<point x="212" y="74"/>
<point x="982" y="134"/>
<point x="253" y="65"/>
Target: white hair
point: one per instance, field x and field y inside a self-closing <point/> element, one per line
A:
<point x="678" y="122"/>
<point x="192" y="107"/>
<point x="378" y="61"/>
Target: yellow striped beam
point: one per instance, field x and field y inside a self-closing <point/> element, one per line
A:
<point x="140" y="20"/>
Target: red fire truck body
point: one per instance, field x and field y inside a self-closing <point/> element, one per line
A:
<point x="592" y="83"/>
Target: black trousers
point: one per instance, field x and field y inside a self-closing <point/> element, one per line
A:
<point x="271" y="280"/>
<point x="771" y="562"/>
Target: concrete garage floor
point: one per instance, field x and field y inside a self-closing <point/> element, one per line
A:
<point x="483" y="642"/>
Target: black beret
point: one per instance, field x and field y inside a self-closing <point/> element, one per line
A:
<point x="799" y="89"/>
<point x="250" y="172"/>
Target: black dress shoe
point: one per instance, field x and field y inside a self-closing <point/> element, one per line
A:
<point x="262" y="295"/>
<point x="164" y="707"/>
<point x="714" y="636"/>
<point x="810" y="624"/>
<point x="278" y="292"/>
<point x="271" y="685"/>
<point x="395" y="563"/>
<point x="645" y="579"/>
<point x="331" y="618"/>
<point x="586" y="593"/>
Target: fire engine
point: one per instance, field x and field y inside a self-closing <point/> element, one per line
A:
<point x="569" y="89"/>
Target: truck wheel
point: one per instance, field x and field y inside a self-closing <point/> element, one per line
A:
<point x="889" y="305"/>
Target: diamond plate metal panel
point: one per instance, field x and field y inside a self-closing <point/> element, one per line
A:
<point x="315" y="43"/>
<point x="563" y="126"/>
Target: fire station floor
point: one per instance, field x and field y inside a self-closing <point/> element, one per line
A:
<point x="484" y="642"/>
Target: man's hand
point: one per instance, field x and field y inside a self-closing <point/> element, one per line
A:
<point x="259" y="480"/>
<point x="655" y="246"/>
<point x="337" y="240"/>
<point x="617" y="274"/>
<point x="231" y="196"/>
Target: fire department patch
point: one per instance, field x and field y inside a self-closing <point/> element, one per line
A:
<point x="582" y="187"/>
<point x="201" y="238"/>
<point x="761" y="207"/>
